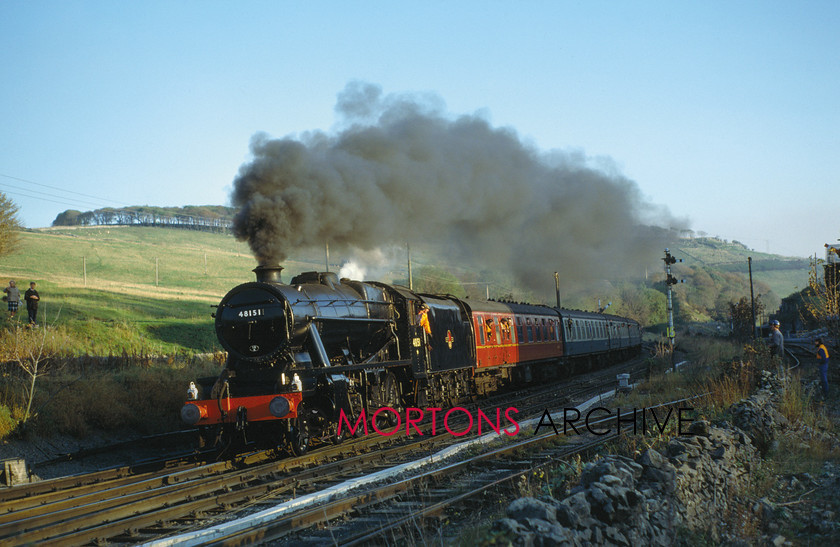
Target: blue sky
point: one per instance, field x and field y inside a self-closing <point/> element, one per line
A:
<point x="724" y="112"/>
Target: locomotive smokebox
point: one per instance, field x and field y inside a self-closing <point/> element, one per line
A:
<point x="268" y="273"/>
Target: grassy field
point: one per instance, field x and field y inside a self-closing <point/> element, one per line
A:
<point x="133" y="289"/>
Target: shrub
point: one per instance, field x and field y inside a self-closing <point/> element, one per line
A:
<point x="123" y="394"/>
<point x="7" y="422"/>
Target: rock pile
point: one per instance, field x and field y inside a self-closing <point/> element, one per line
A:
<point x="624" y="502"/>
<point x="695" y="484"/>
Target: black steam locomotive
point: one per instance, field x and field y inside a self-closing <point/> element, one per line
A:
<point x="302" y="355"/>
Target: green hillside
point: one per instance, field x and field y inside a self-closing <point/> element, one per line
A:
<point x="138" y="289"/>
<point x="717" y="272"/>
<point x="784" y="275"/>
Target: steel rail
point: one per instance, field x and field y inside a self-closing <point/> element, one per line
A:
<point x="325" y="512"/>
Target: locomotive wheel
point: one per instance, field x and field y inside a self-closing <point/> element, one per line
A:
<point x="299" y="433"/>
<point x="392" y="398"/>
<point x="387" y="396"/>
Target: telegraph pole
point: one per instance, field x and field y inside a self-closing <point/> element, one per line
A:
<point x="752" y="297"/>
<point x="557" y="286"/>
<point x="671" y="280"/>
<point x="410" y="278"/>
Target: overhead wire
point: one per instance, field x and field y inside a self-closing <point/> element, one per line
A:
<point x="54" y="198"/>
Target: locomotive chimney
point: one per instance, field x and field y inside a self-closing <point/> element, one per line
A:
<point x="267" y="273"/>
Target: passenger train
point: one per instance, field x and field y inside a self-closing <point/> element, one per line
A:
<point x="300" y="355"/>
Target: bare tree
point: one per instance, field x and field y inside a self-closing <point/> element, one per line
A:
<point x="821" y="300"/>
<point x="34" y="350"/>
<point x="741" y="313"/>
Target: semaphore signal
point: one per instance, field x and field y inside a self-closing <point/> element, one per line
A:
<point x="671" y="280"/>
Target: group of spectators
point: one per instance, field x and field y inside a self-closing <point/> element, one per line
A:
<point x="31" y="296"/>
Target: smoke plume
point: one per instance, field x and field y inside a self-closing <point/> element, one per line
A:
<point x="399" y="170"/>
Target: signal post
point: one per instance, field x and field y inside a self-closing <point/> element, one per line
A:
<point x="671" y="280"/>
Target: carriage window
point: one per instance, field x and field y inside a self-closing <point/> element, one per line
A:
<point x="552" y="334"/>
<point x="489" y="330"/>
<point x="506" y="330"/>
<point x="479" y="324"/>
<point x="519" y="335"/>
<point x="530" y="329"/>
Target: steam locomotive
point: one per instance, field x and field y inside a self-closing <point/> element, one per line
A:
<point x="300" y="355"/>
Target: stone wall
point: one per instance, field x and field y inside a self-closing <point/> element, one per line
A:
<point x="620" y="501"/>
<point x="693" y="486"/>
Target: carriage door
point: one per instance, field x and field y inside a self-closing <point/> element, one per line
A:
<point x="506" y="331"/>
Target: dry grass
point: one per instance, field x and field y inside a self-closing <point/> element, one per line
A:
<point x="730" y="382"/>
<point x="122" y="393"/>
<point x="795" y="404"/>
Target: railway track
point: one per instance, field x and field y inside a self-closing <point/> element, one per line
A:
<point x="140" y="451"/>
<point x="131" y="504"/>
<point x="405" y="509"/>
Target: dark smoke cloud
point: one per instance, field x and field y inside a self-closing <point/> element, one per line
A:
<point x="399" y="170"/>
